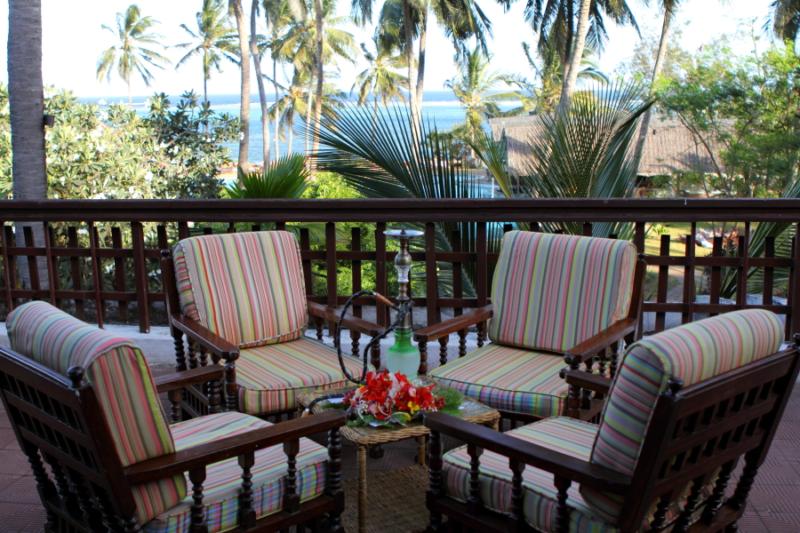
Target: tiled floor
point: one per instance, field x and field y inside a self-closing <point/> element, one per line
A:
<point x="774" y="503"/>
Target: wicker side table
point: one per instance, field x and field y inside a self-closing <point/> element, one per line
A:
<point x="364" y="437"/>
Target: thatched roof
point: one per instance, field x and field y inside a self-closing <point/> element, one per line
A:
<point x="670" y="147"/>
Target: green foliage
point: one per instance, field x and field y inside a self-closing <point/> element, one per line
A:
<point x="585" y="150"/>
<point x="192" y="138"/>
<point x="283" y="178"/>
<point x="115" y="153"/>
<point x="329" y="185"/>
<point x="747" y="106"/>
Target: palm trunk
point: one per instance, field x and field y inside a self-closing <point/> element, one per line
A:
<point x="423" y="37"/>
<point x="570" y="34"/>
<point x="576" y="54"/>
<point x="244" y="106"/>
<point x="205" y="88"/>
<point x="659" y="64"/>
<point x="309" y="110"/>
<point x="290" y="135"/>
<point x="320" y="68"/>
<point x="412" y="72"/>
<point x="277" y="114"/>
<point x="26" y="100"/>
<point x="262" y="92"/>
<point x="130" y="97"/>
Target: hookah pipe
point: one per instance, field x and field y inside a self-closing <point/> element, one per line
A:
<point x="402" y="310"/>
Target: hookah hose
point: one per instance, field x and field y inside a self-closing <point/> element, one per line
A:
<point x="402" y="310"/>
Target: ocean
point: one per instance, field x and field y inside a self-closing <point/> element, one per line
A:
<point x="439" y="107"/>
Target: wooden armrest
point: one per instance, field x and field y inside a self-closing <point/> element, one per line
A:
<point x="560" y="464"/>
<point x="179" y="380"/>
<point x="207" y="339"/>
<point x="586" y="380"/>
<point x="446" y="327"/>
<point x="218" y="450"/>
<point x="614" y="333"/>
<point x="353" y="322"/>
<point x="318" y="310"/>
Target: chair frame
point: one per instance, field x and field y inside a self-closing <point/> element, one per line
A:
<point x="58" y="421"/>
<point x="587" y="386"/>
<point x="202" y="342"/>
<point x="702" y="428"/>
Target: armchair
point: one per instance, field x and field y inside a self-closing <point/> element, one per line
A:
<point x="86" y="413"/>
<point x="685" y="407"/>
<point x="558" y="302"/>
<point x="240" y="298"/>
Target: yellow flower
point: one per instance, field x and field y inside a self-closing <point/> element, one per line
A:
<point x="413" y="407"/>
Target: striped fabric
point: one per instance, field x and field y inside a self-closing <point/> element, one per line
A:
<point x="692" y="353"/>
<point x="271" y="377"/>
<point x="121" y="379"/>
<point x="508" y="379"/>
<point x="223" y="479"/>
<point x="551" y="292"/>
<point x="566" y="435"/>
<point x="245" y="287"/>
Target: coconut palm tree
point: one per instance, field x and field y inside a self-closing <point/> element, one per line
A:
<point x="278" y="17"/>
<point x="404" y="22"/>
<point x="292" y="104"/>
<point x="381" y="78"/>
<point x="257" y="49"/>
<point x="473" y="88"/>
<point x="135" y="50"/>
<point x="785" y="18"/>
<point x="235" y="8"/>
<point x="300" y="42"/>
<point x="26" y="103"/>
<point x="213" y="41"/>
<point x="570" y="26"/>
<point x="669" y="7"/>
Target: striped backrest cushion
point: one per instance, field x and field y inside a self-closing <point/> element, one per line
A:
<point x="117" y="371"/>
<point x="551" y="292"/>
<point x="245" y="287"/>
<point x="692" y="353"/>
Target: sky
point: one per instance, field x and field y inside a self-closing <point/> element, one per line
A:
<point x="73" y="39"/>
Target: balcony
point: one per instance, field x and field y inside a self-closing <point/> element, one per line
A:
<point x="99" y="260"/>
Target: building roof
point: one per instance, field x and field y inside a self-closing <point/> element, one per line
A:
<point x="670" y="146"/>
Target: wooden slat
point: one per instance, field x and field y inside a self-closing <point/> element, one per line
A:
<point x="52" y="267"/>
<point x="688" y="277"/>
<point x="305" y="246"/>
<point x="431" y="275"/>
<point x="663" y="282"/>
<point x="75" y="270"/>
<point x="119" y="271"/>
<point x="481" y="268"/>
<point x="769" y="272"/>
<point x="33" y="271"/>
<point x="330" y="266"/>
<point x="94" y="244"/>
<point x="140" y="268"/>
<point x="381" y="280"/>
<point x="8" y="267"/>
<point x="716" y="272"/>
<point x="794" y="296"/>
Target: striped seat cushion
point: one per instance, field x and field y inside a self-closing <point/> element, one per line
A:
<point x="566" y="435"/>
<point x="270" y="377"/>
<point x="121" y="379"/>
<point x="223" y="479"/>
<point x="509" y="379"/>
<point x="692" y="353"/>
<point x="245" y="287"/>
<point x="551" y="292"/>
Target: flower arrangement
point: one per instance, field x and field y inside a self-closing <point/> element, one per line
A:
<point x="390" y="398"/>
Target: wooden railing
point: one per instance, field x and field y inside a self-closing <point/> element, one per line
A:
<point x="99" y="258"/>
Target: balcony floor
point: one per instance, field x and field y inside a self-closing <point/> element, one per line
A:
<point x="772" y="505"/>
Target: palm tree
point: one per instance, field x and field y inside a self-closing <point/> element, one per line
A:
<point x="785" y="18"/>
<point x="278" y="18"/>
<point x="472" y="88"/>
<point x="287" y="177"/>
<point x="570" y="25"/>
<point x="381" y="78"/>
<point x="235" y="7"/>
<point x="213" y="40"/>
<point x="135" y="49"/>
<point x="402" y="22"/>
<point x="300" y="42"/>
<point x="26" y="102"/>
<point x="293" y="103"/>
<point x="669" y="7"/>
<point x="257" y="52"/>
